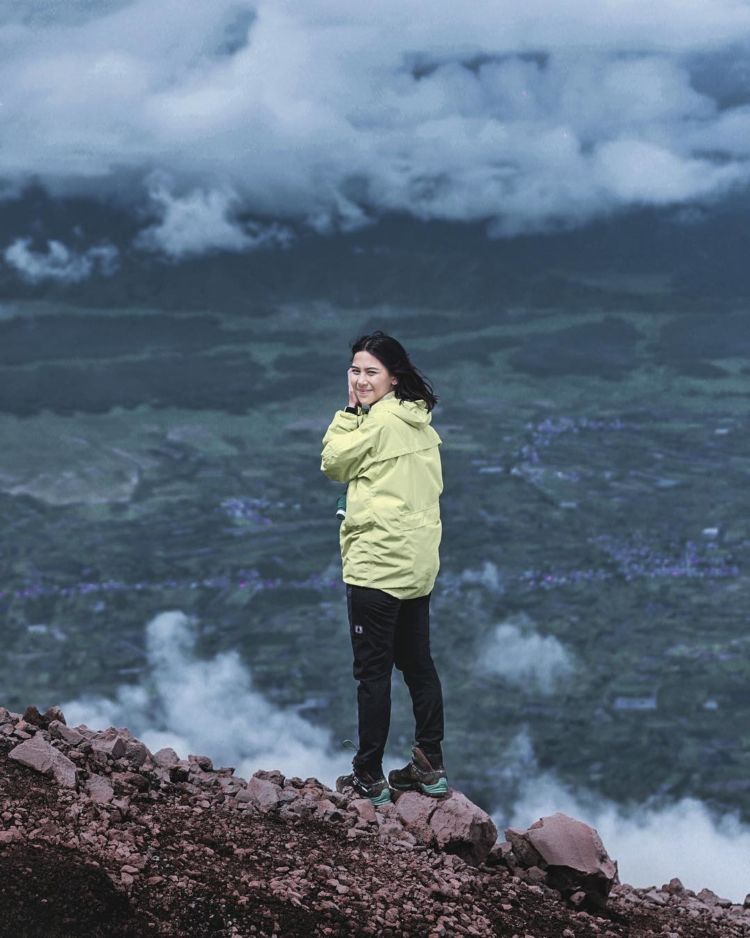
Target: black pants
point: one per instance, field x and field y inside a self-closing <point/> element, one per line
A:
<point x="387" y="631"/>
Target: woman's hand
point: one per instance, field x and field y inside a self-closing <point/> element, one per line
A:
<point x="353" y="399"/>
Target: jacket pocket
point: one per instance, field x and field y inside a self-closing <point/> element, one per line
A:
<point x="358" y="521"/>
<point x="419" y="518"/>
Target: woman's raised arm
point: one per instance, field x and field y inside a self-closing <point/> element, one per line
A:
<point x="349" y="447"/>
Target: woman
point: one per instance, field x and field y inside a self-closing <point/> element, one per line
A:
<point x="383" y="446"/>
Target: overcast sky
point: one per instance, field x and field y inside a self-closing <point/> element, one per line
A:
<point x="530" y="115"/>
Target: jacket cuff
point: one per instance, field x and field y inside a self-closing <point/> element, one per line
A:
<point x="351" y="410"/>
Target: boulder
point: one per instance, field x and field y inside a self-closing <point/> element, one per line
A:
<point x="86" y="731"/>
<point x="37" y="754"/>
<point x="59" y="730"/>
<point x="263" y="793"/>
<point x="203" y="762"/>
<point x="128" y="782"/>
<point x="365" y="810"/>
<point x="462" y="828"/>
<point x="54" y="713"/>
<point x="109" y="742"/>
<point x="526" y="855"/>
<point x="414" y="812"/>
<point x="572" y="855"/>
<point x="33" y="716"/>
<point x="180" y="772"/>
<point x="42" y="720"/>
<point x="165" y="758"/>
<point x="326" y="810"/>
<point x="294" y="782"/>
<point x="273" y="775"/>
<point x="136" y="752"/>
<point x="99" y="789"/>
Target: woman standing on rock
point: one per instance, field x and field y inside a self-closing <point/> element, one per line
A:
<point x="383" y="446"/>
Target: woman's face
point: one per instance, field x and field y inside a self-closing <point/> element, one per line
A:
<point x="369" y="378"/>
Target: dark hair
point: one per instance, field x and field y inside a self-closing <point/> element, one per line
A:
<point x="412" y="384"/>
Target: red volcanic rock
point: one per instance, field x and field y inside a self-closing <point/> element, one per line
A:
<point x="203" y="762"/>
<point x="414" y="811"/>
<point x="41" y="756"/>
<point x="264" y="794"/>
<point x="523" y="852"/>
<point x="572" y="855"/>
<point x="564" y="841"/>
<point x="99" y="789"/>
<point x="53" y="713"/>
<point x="110" y="742"/>
<point x="182" y="849"/>
<point x="32" y="716"/>
<point x="136" y="752"/>
<point x="453" y="824"/>
<point x="59" y="730"/>
<point x="273" y="775"/>
<point x="365" y="811"/>
<point x="463" y="828"/>
<point x="166" y="757"/>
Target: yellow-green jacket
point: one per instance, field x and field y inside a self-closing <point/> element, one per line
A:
<point x="390" y="537"/>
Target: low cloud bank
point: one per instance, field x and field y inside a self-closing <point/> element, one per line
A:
<point x="210" y="707"/>
<point x="532" y="116"/>
<point x="59" y="262"/>
<point x="521" y="656"/>
<point x="202" y="221"/>
<point x="651" y="844"/>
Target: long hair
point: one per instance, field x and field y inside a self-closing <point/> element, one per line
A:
<point x="412" y="384"/>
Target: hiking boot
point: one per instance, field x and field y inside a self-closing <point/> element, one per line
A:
<point x="366" y="786"/>
<point x="420" y="775"/>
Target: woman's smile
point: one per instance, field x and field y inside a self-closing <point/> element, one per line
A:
<point x="366" y="367"/>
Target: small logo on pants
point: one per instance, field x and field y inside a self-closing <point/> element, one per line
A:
<point x="359" y="629"/>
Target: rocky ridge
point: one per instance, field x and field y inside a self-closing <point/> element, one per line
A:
<point x="99" y="836"/>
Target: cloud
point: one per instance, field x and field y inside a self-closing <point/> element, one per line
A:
<point x="201" y="221"/>
<point x="642" y="172"/>
<point x="209" y="707"/>
<point x="59" y="262"/>
<point x="530" y="116"/>
<point x="488" y="576"/>
<point x="651" y="844"/>
<point x="524" y="658"/>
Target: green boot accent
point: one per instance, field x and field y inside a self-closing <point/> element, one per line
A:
<point x="437" y="790"/>
<point x="383" y="798"/>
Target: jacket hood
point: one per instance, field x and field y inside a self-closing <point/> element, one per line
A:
<point x="414" y="413"/>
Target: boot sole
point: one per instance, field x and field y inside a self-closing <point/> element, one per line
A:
<point x="437" y="790"/>
<point x="383" y="798"/>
